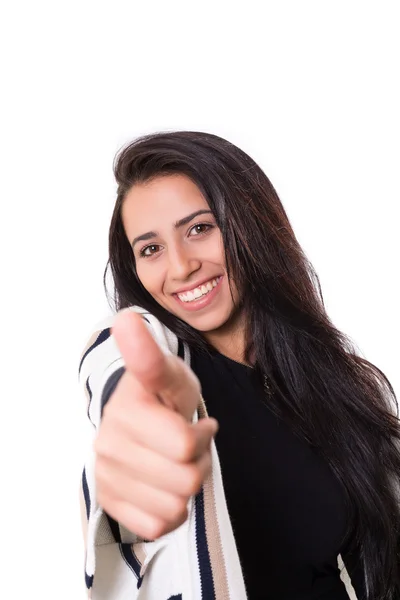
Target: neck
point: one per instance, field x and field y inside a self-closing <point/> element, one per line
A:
<point x="229" y="341"/>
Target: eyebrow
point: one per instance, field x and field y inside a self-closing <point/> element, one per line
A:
<point x="177" y="225"/>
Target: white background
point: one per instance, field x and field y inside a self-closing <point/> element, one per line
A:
<point x="309" y="89"/>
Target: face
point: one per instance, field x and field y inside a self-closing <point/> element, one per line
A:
<point x="179" y="252"/>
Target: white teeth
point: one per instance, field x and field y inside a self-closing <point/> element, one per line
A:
<point x="199" y="291"/>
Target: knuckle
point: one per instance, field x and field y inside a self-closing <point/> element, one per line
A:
<point x="187" y="445"/>
<point x="155" y="529"/>
<point x="130" y="521"/>
<point x="177" y="510"/>
<point x="181" y="518"/>
<point x="102" y="446"/>
<point x="193" y="481"/>
<point x="124" y="512"/>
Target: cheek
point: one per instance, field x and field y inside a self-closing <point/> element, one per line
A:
<point x="149" y="277"/>
<point x="219" y="249"/>
<point x="211" y="249"/>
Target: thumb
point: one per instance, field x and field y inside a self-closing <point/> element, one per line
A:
<point x="167" y="377"/>
<point x="141" y="353"/>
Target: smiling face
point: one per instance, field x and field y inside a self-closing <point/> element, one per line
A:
<point x="179" y="252"/>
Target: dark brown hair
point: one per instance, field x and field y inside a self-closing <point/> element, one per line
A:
<point x="333" y="398"/>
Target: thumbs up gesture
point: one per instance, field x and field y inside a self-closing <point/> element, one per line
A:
<point x="150" y="458"/>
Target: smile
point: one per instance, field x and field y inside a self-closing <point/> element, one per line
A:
<point x="199" y="292"/>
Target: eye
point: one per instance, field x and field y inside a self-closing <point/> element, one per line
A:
<point x="200" y="228"/>
<point x="149" y="250"/>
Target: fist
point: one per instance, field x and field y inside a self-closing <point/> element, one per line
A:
<point x="150" y="458"/>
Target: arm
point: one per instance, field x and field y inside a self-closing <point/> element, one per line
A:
<point x="148" y="460"/>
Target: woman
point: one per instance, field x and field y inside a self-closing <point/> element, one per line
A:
<point x="303" y="471"/>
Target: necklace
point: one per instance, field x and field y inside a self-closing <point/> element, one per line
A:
<point x="266" y="383"/>
<point x="267" y="387"/>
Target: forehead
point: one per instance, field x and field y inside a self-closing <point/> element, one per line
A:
<point x="160" y="202"/>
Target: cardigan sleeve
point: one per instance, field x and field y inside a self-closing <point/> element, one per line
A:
<point x="100" y="361"/>
<point x="101" y="367"/>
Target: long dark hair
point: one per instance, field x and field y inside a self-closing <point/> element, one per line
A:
<point x="333" y="398"/>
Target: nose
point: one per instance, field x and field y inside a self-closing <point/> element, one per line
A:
<point x="181" y="264"/>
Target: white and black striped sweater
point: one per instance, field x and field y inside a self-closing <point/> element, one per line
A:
<point x="197" y="561"/>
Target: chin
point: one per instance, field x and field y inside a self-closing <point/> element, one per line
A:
<point x="207" y="323"/>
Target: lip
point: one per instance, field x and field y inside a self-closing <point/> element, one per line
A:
<point x="192" y="287"/>
<point x="200" y="302"/>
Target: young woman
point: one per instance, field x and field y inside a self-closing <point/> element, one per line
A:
<point x="296" y="497"/>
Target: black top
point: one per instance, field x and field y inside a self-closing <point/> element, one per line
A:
<point x="287" y="510"/>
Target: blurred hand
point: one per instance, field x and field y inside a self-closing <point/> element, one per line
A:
<point x="150" y="458"/>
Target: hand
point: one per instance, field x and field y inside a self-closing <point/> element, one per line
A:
<point x="150" y="458"/>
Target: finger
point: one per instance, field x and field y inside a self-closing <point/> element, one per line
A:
<point x="165" y="376"/>
<point x="135" y="520"/>
<point x="139" y="463"/>
<point x="176" y="440"/>
<point x="161" y="505"/>
<point x="155" y="427"/>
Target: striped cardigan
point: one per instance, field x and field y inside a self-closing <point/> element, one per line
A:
<point x="197" y="561"/>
